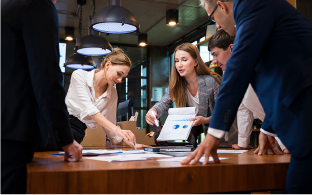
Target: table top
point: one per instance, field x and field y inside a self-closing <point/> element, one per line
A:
<point x="44" y="161"/>
<point x="245" y="167"/>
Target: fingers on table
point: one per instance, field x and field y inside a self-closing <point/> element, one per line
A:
<point x="189" y="158"/>
<point x="197" y="157"/>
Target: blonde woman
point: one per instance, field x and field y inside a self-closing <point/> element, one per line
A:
<point x="192" y="84"/>
<point x="92" y="100"/>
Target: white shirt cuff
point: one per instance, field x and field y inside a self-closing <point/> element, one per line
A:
<point x="216" y="132"/>
<point x="243" y="141"/>
<point x="281" y="145"/>
<point x="268" y="133"/>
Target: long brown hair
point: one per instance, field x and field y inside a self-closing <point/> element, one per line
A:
<point x="177" y="84"/>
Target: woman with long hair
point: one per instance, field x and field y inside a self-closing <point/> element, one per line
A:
<point x="92" y="99"/>
<point x="192" y="84"/>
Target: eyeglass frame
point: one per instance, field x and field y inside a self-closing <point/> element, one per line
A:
<point x="215" y="8"/>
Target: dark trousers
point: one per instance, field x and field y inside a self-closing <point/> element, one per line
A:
<point x="14" y="157"/>
<point x="296" y="135"/>
<point x="78" y="129"/>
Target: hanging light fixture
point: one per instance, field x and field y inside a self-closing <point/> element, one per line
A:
<point x="142" y="39"/>
<point x="69" y="33"/>
<point x="115" y="19"/>
<point x="93" y="44"/>
<point x="78" y="61"/>
<point x="172" y="17"/>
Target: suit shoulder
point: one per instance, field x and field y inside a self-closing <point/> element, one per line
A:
<point x="209" y="78"/>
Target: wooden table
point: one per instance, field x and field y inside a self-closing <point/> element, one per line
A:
<point x="241" y="172"/>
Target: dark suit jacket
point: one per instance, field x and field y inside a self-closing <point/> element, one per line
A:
<point x="273" y="46"/>
<point x="32" y="96"/>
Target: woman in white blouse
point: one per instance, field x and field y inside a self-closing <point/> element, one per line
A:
<point x="92" y="100"/>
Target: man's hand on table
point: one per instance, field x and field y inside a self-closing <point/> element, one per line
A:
<point x="73" y="152"/>
<point x="267" y="142"/>
<point x="208" y="147"/>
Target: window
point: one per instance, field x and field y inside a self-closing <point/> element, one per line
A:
<point x="135" y="85"/>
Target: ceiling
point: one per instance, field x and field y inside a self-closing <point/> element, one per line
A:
<point x="147" y="13"/>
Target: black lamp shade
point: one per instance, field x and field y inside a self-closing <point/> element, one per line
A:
<point x="172" y="17"/>
<point x="77" y="61"/>
<point x="115" y="19"/>
<point x="93" y="45"/>
<point x="142" y="39"/>
<point x="69" y="33"/>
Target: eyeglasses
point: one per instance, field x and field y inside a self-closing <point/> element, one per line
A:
<point x="210" y="16"/>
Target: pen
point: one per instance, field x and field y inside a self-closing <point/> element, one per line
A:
<point x="135" y="145"/>
<point x="155" y="120"/>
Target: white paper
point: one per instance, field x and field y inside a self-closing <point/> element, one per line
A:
<point x="183" y="111"/>
<point x="178" y="159"/>
<point x="178" y="125"/>
<point x="231" y="151"/>
<point x="116" y="158"/>
<point x="133" y="151"/>
<point x="100" y="152"/>
<point x="147" y="155"/>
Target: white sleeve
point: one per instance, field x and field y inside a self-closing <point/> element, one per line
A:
<point x="268" y="133"/>
<point x="78" y="96"/>
<point x="244" y="121"/>
<point x="281" y="145"/>
<point x="252" y="102"/>
<point x="216" y="132"/>
<point x="111" y="116"/>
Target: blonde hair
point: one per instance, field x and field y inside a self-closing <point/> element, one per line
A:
<point x="177" y="84"/>
<point x="116" y="57"/>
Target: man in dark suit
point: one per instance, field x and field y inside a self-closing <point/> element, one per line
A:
<point x="272" y="39"/>
<point x="32" y="97"/>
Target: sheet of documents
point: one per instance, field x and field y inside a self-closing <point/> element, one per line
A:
<point x="231" y="151"/>
<point x="178" y="159"/>
<point x="103" y="151"/>
<point x="117" y="158"/>
<point x="133" y="151"/>
<point x="147" y="155"/>
<point x="178" y="125"/>
<point x="99" y="152"/>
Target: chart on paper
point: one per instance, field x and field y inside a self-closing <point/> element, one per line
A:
<point x="176" y="128"/>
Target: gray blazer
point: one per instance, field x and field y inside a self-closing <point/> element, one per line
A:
<point x="208" y="89"/>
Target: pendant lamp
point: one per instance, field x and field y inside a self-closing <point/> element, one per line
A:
<point x="93" y="44"/>
<point x="115" y="19"/>
<point x="78" y="61"/>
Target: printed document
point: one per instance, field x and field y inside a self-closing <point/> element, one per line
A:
<point x="178" y="125"/>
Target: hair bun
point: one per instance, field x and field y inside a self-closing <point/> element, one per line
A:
<point x="117" y="50"/>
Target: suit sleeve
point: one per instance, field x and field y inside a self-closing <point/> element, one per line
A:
<point x="255" y="22"/>
<point x="266" y="128"/>
<point x="164" y="104"/>
<point x="42" y="46"/>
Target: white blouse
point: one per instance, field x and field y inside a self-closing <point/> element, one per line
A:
<point x="82" y="103"/>
<point x="192" y="101"/>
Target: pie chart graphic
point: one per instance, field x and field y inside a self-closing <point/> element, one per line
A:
<point x="175" y="126"/>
